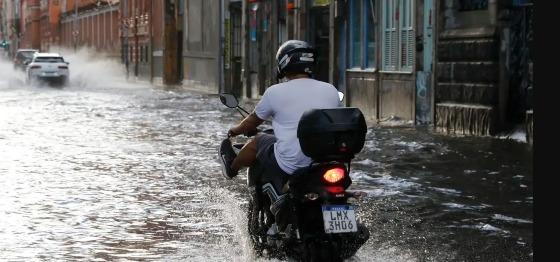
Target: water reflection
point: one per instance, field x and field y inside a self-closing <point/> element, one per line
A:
<point x="125" y="171"/>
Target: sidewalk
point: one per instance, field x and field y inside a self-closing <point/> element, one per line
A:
<point x="158" y="82"/>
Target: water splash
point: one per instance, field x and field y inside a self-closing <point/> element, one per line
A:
<point x="91" y="68"/>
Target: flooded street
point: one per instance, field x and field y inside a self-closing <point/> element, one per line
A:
<point x="105" y="170"/>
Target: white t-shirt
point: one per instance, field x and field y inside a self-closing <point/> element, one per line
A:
<point x="285" y="103"/>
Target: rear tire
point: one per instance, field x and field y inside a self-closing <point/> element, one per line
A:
<point x="254" y="226"/>
<point x="321" y="251"/>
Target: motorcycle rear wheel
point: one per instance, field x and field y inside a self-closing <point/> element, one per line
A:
<point x="254" y="227"/>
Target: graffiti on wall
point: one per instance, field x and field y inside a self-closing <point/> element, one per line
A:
<point x="423" y="98"/>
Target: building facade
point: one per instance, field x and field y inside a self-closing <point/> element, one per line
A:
<point x="92" y="24"/>
<point x="462" y="66"/>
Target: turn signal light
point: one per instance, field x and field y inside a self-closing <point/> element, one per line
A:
<point x="35" y="67"/>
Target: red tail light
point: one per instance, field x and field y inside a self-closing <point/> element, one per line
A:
<point x="335" y="189"/>
<point x="334" y="175"/>
<point x="63" y="67"/>
<point x="35" y="67"/>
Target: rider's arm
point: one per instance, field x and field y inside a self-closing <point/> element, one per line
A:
<point x="248" y="125"/>
<point x="262" y="111"/>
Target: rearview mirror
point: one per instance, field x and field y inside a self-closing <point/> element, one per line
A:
<point x="340" y="96"/>
<point x="229" y="100"/>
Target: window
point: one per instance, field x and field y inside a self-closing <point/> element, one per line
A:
<point x="398" y="35"/>
<point x="355" y="33"/>
<point x="48" y="59"/>
<point x="473" y="5"/>
<point x="361" y="38"/>
<point x="195" y="26"/>
<point x="370" y="34"/>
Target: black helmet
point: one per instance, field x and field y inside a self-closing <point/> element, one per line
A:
<point x="295" y="56"/>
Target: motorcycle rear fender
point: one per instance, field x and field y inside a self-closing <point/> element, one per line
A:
<point x="310" y="180"/>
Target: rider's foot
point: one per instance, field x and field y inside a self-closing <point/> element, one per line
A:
<point x="273" y="230"/>
<point x="227" y="155"/>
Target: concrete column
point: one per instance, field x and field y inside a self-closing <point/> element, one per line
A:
<point x="151" y="47"/>
<point x="334" y="35"/>
<point x="35" y="7"/>
<point x="245" y="51"/>
<point x="504" y="43"/>
<point x="274" y="38"/>
<point x="221" y="71"/>
<point x="290" y="16"/>
<point x="301" y="20"/>
<point x="170" y="70"/>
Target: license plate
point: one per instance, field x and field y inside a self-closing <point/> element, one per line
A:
<point x="339" y="219"/>
<point x="49" y="74"/>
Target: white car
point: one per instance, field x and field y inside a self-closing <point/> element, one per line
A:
<point x="47" y="67"/>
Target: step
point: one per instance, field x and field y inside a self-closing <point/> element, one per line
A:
<point x="482" y="72"/>
<point x="465" y="119"/>
<point x="468" y="33"/>
<point x="468" y="50"/>
<point x="484" y="94"/>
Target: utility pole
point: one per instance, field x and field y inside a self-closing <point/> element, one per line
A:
<point x="170" y="68"/>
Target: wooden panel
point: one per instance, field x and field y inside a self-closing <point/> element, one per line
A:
<point x="396" y="98"/>
<point x="362" y="93"/>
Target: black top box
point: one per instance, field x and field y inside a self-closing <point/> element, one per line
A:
<point x="335" y="134"/>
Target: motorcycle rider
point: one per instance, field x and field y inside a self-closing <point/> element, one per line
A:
<point x="284" y="104"/>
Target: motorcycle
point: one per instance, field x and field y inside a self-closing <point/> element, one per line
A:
<point x="309" y="217"/>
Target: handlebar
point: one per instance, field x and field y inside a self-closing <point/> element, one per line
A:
<point x="256" y="131"/>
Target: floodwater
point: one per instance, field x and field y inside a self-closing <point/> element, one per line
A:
<point x="109" y="170"/>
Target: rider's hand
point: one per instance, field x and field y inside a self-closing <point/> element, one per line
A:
<point x="252" y="133"/>
<point x="232" y="133"/>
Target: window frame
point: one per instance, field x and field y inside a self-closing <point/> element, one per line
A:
<point x="362" y="29"/>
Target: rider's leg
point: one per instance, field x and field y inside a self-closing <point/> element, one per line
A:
<point x="246" y="156"/>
